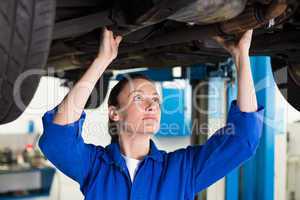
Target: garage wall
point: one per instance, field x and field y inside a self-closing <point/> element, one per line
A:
<point x="293" y="162"/>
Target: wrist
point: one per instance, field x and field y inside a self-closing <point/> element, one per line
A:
<point x="99" y="65"/>
<point x="236" y="56"/>
<point x="243" y="52"/>
<point x="102" y="60"/>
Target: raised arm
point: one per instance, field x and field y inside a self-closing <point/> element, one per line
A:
<point x="246" y="99"/>
<point x="238" y="140"/>
<point x="61" y="141"/>
<point x="73" y="104"/>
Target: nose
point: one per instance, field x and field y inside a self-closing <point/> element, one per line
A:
<point x="150" y="105"/>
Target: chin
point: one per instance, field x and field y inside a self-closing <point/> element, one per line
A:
<point x="151" y="130"/>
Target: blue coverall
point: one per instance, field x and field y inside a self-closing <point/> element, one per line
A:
<point x="103" y="175"/>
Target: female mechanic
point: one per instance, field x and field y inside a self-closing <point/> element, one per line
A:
<point x="131" y="166"/>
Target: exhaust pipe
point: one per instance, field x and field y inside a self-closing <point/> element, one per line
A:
<point x="251" y="18"/>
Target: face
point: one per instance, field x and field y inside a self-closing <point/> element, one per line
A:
<point x="139" y="110"/>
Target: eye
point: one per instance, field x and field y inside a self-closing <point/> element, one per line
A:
<point x="138" y="97"/>
<point x="156" y="99"/>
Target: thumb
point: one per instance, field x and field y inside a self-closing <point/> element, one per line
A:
<point x="118" y="39"/>
<point x="219" y="39"/>
<point x="105" y="33"/>
<point x="249" y="34"/>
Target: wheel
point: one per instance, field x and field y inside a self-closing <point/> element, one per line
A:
<point x="287" y="78"/>
<point x="26" y="29"/>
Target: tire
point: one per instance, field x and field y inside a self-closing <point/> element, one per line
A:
<point x="26" y="30"/>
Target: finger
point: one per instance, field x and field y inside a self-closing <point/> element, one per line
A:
<point x="248" y="33"/>
<point x="111" y="34"/>
<point x="106" y="36"/>
<point x="219" y="39"/>
<point x="118" y="39"/>
<point x="111" y="37"/>
<point x="105" y="32"/>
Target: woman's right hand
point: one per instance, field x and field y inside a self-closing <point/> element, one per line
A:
<point x="109" y="46"/>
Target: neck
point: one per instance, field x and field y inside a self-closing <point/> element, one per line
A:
<point x="136" y="147"/>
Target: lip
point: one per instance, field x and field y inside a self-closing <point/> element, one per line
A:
<point x="150" y="117"/>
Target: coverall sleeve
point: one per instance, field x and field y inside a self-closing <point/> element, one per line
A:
<point x="228" y="148"/>
<point x="64" y="147"/>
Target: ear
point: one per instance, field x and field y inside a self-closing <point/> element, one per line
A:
<point x="113" y="113"/>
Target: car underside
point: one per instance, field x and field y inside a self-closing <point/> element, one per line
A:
<point x="167" y="33"/>
<point x="174" y="32"/>
<point x="178" y="33"/>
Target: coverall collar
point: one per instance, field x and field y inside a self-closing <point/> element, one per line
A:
<point x="113" y="154"/>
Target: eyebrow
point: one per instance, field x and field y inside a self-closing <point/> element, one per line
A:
<point x="155" y="93"/>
